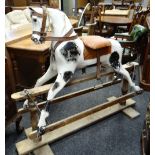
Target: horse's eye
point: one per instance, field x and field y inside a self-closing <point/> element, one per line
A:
<point x="35" y="20"/>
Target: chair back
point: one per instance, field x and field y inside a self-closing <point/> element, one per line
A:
<point x="88" y="27"/>
<point x="143" y="16"/>
<point x="139" y="18"/>
<point x="138" y="32"/>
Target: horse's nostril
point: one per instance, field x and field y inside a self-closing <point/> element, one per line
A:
<point x="34" y="20"/>
<point x="35" y="39"/>
<point x="41" y="39"/>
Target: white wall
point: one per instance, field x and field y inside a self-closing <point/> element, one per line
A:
<point x="68" y="5"/>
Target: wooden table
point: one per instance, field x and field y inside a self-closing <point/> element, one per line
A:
<point x="116" y="12"/>
<point x="116" y="21"/>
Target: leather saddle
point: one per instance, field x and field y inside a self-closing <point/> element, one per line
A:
<point x="95" y="47"/>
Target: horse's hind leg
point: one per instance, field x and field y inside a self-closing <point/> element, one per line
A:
<point x="62" y="79"/>
<point x="118" y="67"/>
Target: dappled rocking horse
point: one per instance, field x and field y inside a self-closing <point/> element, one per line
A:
<point x="70" y="52"/>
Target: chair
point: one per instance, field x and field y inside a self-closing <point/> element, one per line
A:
<point x="122" y="4"/>
<point x="85" y="27"/>
<point x="131" y="15"/>
<point x="101" y="29"/>
<point x="139" y="17"/>
<point x="133" y="43"/>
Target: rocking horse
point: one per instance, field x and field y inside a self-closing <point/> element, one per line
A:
<point x="69" y="52"/>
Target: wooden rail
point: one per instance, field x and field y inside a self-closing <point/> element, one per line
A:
<point x="83" y="114"/>
<point x="74" y="123"/>
<point x="74" y="94"/>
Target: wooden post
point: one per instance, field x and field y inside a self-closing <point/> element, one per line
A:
<point x="19" y="128"/>
<point x="34" y="118"/>
<point x="125" y="85"/>
<point x="98" y="65"/>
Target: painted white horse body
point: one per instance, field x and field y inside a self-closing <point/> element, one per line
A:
<point x="60" y="25"/>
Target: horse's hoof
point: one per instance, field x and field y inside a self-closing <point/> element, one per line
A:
<point x="40" y="131"/>
<point x="140" y="91"/>
<point x="136" y="88"/>
<point x="25" y="105"/>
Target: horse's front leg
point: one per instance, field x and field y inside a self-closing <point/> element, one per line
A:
<point x="62" y="79"/>
<point x="50" y="73"/>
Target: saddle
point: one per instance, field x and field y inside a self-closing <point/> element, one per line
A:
<point x="95" y="47"/>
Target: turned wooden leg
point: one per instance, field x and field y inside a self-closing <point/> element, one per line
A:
<point x="19" y="128"/>
<point x="125" y="86"/>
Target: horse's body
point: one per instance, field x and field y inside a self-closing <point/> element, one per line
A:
<point x="64" y="67"/>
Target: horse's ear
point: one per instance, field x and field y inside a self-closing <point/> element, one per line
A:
<point x="31" y="9"/>
<point x="44" y="8"/>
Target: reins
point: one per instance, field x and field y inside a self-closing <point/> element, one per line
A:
<point x="43" y="34"/>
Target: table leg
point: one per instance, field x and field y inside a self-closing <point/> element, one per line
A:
<point x="42" y="62"/>
<point x="15" y="68"/>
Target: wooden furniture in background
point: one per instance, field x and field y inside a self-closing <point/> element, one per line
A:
<point x="16" y="2"/>
<point x="10" y="106"/>
<point x="134" y="43"/>
<point x="81" y="3"/>
<point x="27" y="58"/>
<point x="38" y="2"/>
<point x="116" y="12"/>
<point x="29" y="61"/>
<point x="115" y="21"/>
<point x="48" y="3"/>
<point x="145" y="67"/>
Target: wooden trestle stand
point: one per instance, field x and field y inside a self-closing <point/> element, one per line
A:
<point x="75" y="122"/>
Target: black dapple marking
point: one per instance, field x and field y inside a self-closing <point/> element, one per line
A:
<point x="70" y="51"/>
<point x="114" y="60"/>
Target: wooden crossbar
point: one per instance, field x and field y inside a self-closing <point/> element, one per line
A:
<point x="44" y="89"/>
<point x="74" y="123"/>
<point x="74" y="94"/>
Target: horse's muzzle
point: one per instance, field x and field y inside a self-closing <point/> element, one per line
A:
<point x="40" y="41"/>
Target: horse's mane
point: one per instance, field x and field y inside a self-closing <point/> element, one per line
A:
<point x="59" y="20"/>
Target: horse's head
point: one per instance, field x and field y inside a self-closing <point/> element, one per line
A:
<point x="40" y="25"/>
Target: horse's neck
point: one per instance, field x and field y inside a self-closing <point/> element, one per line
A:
<point x="60" y="22"/>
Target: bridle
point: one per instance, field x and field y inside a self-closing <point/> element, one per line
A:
<point x="43" y="34"/>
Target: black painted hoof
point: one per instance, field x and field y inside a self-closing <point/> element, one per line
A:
<point x="40" y="131"/>
<point x="140" y="91"/>
<point x="19" y="129"/>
